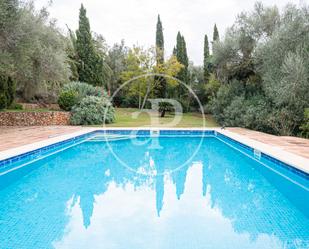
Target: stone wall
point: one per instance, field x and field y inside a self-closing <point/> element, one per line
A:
<point x="34" y="118"/>
<point x="33" y="106"/>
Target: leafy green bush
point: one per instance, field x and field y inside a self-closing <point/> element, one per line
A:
<point x="7" y="91"/>
<point x="67" y="99"/>
<point x="11" y="88"/>
<point x="3" y="101"/>
<point x="84" y="89"/>
<point x="3" y="92"/>
<point x="93" y="110"/>
<point x="212" y="87"/>
<point x="223" y="99"/>
<point x="15" y="106"/>
<point x="73" y="93"/>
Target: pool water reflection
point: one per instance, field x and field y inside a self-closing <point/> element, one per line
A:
<point x="85" y="198"/>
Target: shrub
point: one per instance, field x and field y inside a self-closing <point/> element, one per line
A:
<point x="223" y="99"/>
<point x="3" y="101"/>
<point x="11" y="88"/>
<point x="84" y="89"/>
<point x="3" y="92"/>
<point x="212" y="87"/>
<point x="67" y="99"/>
<point x="15" y="106"/>
<point x="93" y="110"/>
<point x="7" y="91"/>
<point x="73" y="93"/>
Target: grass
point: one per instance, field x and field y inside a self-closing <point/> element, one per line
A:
<point x="27" y="110"/>
<point x="125" y="118"/>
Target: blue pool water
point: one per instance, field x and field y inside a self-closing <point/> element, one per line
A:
<point x="134" y="194"/>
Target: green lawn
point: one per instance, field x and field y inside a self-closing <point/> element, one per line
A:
<point x="124" y="118"/>
<point x="28" y="110"/>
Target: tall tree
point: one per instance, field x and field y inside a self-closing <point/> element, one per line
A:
<point x="31" y="50"/>
<point x="159" y="42"/>
<point x="215" y="34"/>
<point x="174" y="51"/>
<point x="206" y="59"/>
<point x="160" y="82"/>
<point x="182" y="57"/>
<point x="90" y="62"/>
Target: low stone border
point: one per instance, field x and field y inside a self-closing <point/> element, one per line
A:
<point x="33" y="106"/>
<point x="34" y="118"/>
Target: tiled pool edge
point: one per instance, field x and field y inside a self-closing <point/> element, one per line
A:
<point x="271" y="153"/>
<point x="291" y="161"/>
<point x="262" y="157"/>
<point x="41" y="145"/>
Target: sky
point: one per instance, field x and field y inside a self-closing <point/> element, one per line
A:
<point x="135" y="20"/>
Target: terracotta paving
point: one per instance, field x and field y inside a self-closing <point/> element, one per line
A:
<point x="296" y="145"/>
<point x="12" y="136"/>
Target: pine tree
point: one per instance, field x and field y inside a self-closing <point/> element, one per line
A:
<point x="206" y="59"/>
<point x="215" y="34"/>
<point x="90" y="62"/>
<point x="160" y="82"/>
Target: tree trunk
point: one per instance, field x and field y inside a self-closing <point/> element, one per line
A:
<point x="162" y="113"/>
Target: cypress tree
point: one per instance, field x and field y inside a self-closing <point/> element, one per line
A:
<point x="160" y="82"/>
<point x="185" y="54"/>
<point x="174" y="51"/>
<point x="206" y="59"/>
<point x="182" y="57"/>
<point x="215" y="34"/>
<point x="159" y="42"/>
<point x="90" y="63"/>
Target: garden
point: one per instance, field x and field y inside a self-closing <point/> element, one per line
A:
<point x="255" y="75"/>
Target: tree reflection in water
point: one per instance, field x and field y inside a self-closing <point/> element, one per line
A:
<point x="232" y="190"/>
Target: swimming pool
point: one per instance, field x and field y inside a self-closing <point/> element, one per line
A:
<point x="175" y="189"/>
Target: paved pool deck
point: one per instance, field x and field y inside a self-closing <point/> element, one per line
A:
<point x="17" y="140"/>
<point x="12" y="136"/>
<point x="295" y="145"/>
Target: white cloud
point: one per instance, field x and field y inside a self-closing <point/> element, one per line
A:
<point x="135" y="20"/>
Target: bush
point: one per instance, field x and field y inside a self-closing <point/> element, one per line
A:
<point x="11" y="88"/>
<point x="3" y="101"/>
<point x="3" y="92"/>
<point x="73" y="93"/>
<point x="7" y="91"/>
<point x="84" y="89"/>
<point x="15" y="106"/>
<point x="68" y="99"/>
<point x="93" y="110"/>
<point x="223" y="99"/>
<point x="212" y="87"/>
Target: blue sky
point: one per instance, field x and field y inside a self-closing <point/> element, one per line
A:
<point x="135" y="20"/>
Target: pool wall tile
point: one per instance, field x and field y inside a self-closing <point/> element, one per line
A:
<point x="264" y="157"/>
